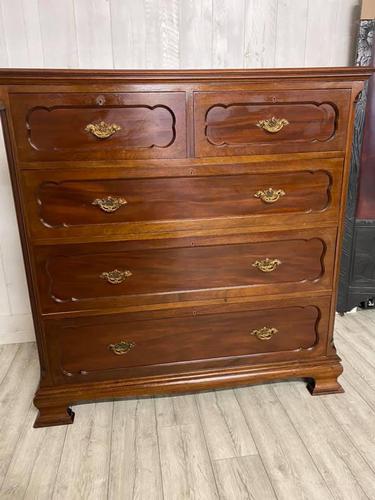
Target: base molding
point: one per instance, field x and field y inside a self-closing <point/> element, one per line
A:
<point x="53" y="402"/>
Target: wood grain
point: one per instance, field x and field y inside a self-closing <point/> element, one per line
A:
<point x="135" y="466"/>
<point x="212" y="265"/>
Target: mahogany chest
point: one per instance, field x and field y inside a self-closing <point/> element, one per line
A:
<point x="181" y="229"/>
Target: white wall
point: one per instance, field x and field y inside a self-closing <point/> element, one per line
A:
<point x="154" y="34"/>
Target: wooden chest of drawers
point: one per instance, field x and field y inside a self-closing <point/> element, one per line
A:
<point x="181" y="230"/>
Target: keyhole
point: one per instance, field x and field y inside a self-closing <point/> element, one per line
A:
<point x="100" y="100"/>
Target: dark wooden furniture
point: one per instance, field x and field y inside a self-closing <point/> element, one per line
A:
<point x="181" y="229"/>
<point x="357" y="272"/>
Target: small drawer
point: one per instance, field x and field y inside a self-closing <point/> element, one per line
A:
<point x="94" y="276"/>
<point x="99" y="126"/>
<point x="79" y="204"/>
<point x="136" y="345"/>
<point x="245" y="123"/>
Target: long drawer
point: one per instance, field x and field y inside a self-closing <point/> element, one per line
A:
<point x="208" y="337"/>
<point x="268" y="122"/>
<point x="103" y="201"/>
<point x="94" y="126"/>
<point x="95" y="276"/>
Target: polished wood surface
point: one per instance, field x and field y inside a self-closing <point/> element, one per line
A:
<point x="72" y="202"/>
<point x="172" y="217"/>
<point x="62" y="204"/>
<point x="50" y="126"/>
<point x="166" y="270"/>
<point x="229" y="124"/>
<point x="206" y="339"/>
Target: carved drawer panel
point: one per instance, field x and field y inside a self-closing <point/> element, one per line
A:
<point x="99" y="126"/>
<point x="136" y="345"/>
<point x="92" y="276"/>
<point x="242" y="123"/>
<point x="63" y="204"/>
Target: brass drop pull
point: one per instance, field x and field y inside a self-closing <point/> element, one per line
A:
<point x="102" y="130"/>
<point x="121" y="347"/>
<point x="267" y="265"/>
<point x="264" y="333"/>
<point x="116" y="277"/>
<point x="273" y="125"/>
<point x="269" y="195"/>
<point x="110" y="203"/>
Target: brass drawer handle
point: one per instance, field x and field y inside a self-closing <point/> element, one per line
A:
<point x="270" y="195"/>
<point x="102" y="130"/>
<point x="121" y="347"/>
<point x="110" y="203"/>
<point x="273" y="125"/>
<point x="116" y="277"/>
<point x="267" y="265"/>
<point x="264" y="333"/>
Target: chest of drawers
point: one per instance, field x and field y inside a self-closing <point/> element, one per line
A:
<point x="181" y="230"/>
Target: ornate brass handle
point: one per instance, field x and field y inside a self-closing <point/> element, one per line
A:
<point x="110" y="203"/>
<point x="273" y="124"/>
<point x="102" y="130"/>
<point x="116" y="277"/>
<point x="270" y="195"/>
<point x="121" y="347"/>
<point x="267" y="265"/>
<point x="264" y="333"/>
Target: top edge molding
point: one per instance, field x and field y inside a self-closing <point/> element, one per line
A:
<point x="50" y="76"/>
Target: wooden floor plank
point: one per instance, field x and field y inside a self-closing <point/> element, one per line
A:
<point x="225" y="427"/>
<point x="356" y="418"/>
<point x="16" y="393"/>
<point x="135" y="467"/>
<point x="358" y="371"/>
<point x="186" y="469"/>
<point x="360" y="338"/>
<point x="346" y="473"/>
<point x="289" y="465"/>
<point x="176" y="410"/>
<point x="243" y="478"/>
<point x="83" y="470"/>
<point x="7" y="355"/>
<point x="32" y="471"/>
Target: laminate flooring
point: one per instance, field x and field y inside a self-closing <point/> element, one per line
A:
<point x="259" y="442"/>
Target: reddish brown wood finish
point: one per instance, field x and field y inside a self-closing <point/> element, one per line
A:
<point x="188" y="158"/>
<point x="180" y="270"/>
<point x="60" y="203"/>
<point x="53" y="126"/>
<point x="72" y="203"/>
<point x="228" y="124"/>
<point x="209" y="337"/>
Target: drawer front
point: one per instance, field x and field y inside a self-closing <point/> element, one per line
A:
<point x="243" y="123"/>
<point x="99" y="126"/>
<point x="92" y="276"/>
<point x="68" y="204"/>
<point x="175" y="341"/>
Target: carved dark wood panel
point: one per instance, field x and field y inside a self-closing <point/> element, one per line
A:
<point x="84" y="351"/>
<point x="83" y="277"/>
<point x="270" y="122"/>
<point x="100" y="126"/>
